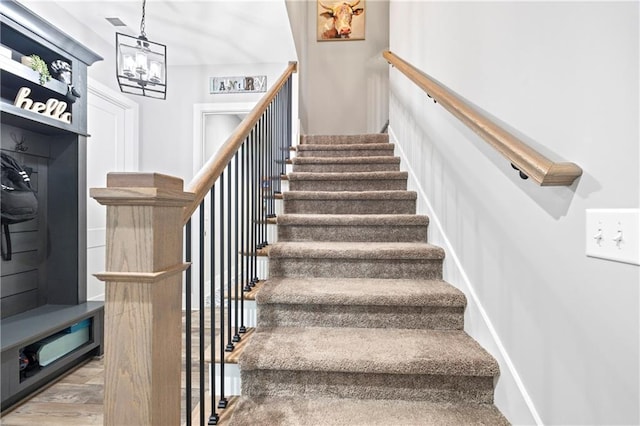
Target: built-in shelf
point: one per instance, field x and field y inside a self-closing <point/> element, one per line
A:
<point x="13" y="115"/>
<point x="24" y="72"/>
<point x="43" y="289"/>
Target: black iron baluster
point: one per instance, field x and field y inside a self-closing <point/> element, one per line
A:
<point x="249" y="213"/>
<point x="236" y="214"/>
<point x="269" y="169"/>
<point x="222" y="403"/>
<point x="213" y="417"/>
<point x="244" y="259"/>
<point x="263" y="200"/>
<point x="255" y="184"/>
<point x="201" y="313"/>
<point x="229" y="346"/>
<point x="187" y="335"/>
<point x="289" y="119"/>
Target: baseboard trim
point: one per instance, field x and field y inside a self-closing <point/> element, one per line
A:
<point x="502" y="357"/>
<point x="98" y="298"/>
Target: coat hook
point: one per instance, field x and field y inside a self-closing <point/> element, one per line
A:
<point x="20" y="147"/>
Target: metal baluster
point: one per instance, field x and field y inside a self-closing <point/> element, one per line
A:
<point x="281" y="141"/>
<point x="236" y="215"/>
<point x="243" y="209"/>
<point x="289" y="118"/>
<point x="256" y="203"/>
<point x="263" y="200"/>
<point x="249" y="163"/>
<point x="229" y="346"/>
<point x="270" y="168"/>
<point x="222" y="403"/>
<point x="201" y="313"/>
<point x="187" y="335"/>
<point x="213" y="417"/>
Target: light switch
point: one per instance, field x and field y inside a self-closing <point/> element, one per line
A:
<point x="614" y="234"/>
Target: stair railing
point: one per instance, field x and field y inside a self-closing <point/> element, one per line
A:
<point x="523" y="158"/>
<point x="148" y="215"/>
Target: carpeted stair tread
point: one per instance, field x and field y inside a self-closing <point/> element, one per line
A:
<point x="355" y="250"/>
<point x="360" y="291"/>
<point x="359" y="303"/>
<point x="345" y="160"/>
<point x="352" y="227"/>
<point x="350" y="195"/>
<point x="353" y="219"/>
<point x="352" y="181"/>
<point x="345" y="164"/>
<point x="296" y="176"/>
<point x="290" y="411"/>
<point x="350" y="150"/>
<point x="350" y="202"/>
<point x="368" y="351"/>
<point x="344" y="139"/>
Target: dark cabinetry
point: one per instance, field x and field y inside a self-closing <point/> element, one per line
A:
<point x="44" y="126"/>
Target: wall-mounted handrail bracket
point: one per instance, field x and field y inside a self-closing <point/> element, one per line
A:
<point x="522" y="175"/>
<point x="528" y="161"/>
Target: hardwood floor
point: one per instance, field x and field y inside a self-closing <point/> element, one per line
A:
<point x="77" y="397"/>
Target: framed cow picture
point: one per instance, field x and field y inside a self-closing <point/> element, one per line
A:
<point x="340" y="20"/>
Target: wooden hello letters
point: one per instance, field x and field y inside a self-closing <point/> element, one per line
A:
<point x="51" y="108"/>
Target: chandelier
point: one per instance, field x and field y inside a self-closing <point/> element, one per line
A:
<point x="141" y="64"/>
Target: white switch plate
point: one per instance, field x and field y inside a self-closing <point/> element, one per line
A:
<point x="608" y="223"/>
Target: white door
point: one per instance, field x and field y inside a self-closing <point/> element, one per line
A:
<point x="113" y="147"/>
<point x="212" y="125"/>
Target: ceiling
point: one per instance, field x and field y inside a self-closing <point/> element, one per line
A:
<point x="195" y="32"/>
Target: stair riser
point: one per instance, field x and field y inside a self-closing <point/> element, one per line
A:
<point x="320" y="206"/>
<point x="352" y="233"/>
<point x="346" y="153"/>
<point x="412" y="387"/>
<point x="348" y="185"/>
<point x="408" y="317"/>
<point x="346" y="168"/>
<point x="356" y="268"/>
<point x="344" y="139"/>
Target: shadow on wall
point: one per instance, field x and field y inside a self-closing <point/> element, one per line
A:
<point x="554" y="200"/>
<point x="493" y="254"/>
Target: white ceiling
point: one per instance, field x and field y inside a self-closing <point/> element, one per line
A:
<point x="195" y="32"/>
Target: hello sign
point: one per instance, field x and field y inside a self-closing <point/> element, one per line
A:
<point x="52" y="108"/>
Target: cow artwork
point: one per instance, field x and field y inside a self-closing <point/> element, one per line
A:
<point x="336" y="20"/>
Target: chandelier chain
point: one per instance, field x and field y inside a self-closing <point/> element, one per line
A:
<point x="144" y="2"/>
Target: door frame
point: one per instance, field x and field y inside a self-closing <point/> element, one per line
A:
<point x="200" y="113"/>
<point x="96" y="237"/>
<point x="131" y="121"/>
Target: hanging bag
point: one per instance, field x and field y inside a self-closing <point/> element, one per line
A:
<point x="19" y="202"/>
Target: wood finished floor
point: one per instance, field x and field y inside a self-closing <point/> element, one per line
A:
<point x="77" y="397"/>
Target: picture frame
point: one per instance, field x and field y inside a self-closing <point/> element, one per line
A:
<point x="340" y="20"/>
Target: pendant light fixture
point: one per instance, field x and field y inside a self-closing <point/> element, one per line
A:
<point x="141" y="65"/>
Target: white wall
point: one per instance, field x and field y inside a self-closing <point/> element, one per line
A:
<point x="166" y="142"/>
<point x="343" y="84"/>
<point x="564" y="76"/>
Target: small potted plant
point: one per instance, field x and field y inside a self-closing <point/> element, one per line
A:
<point x="36" y="63"/>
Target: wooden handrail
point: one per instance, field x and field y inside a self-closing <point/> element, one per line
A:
<point x="204" y="180"/>
<point x="526" y="159"/>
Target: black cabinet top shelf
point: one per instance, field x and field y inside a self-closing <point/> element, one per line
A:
<point x="17" y="69"/>
<point x="22" y="19"/>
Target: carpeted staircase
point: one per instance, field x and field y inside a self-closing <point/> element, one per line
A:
<point x="355" y="325"/>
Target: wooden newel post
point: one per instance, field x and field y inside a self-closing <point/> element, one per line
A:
<point x="143" y="298"/>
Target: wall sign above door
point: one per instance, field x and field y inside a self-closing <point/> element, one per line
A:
<point x="246" y="84"/>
